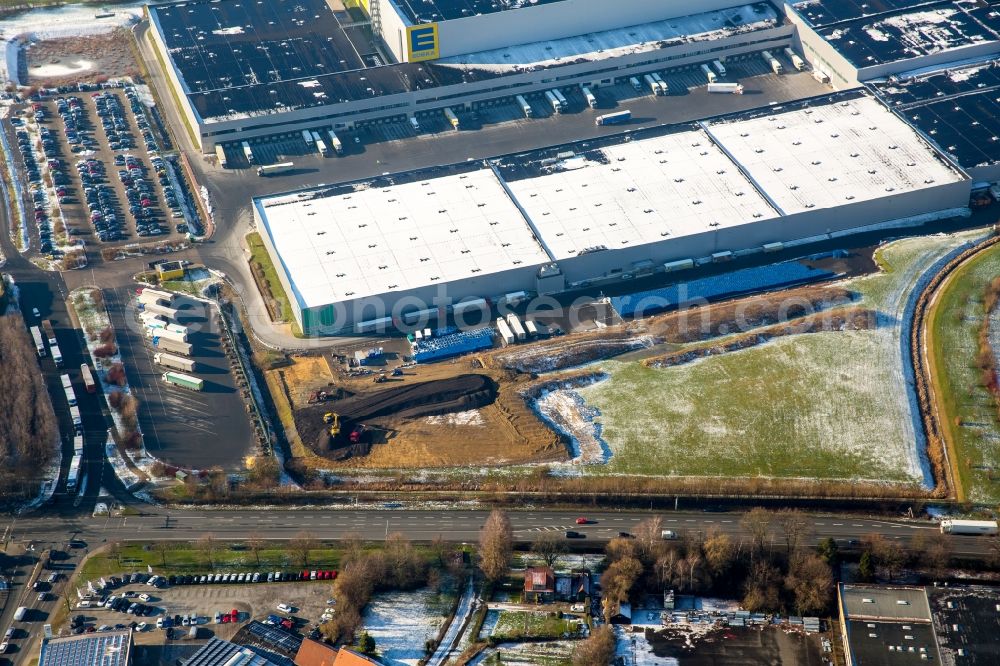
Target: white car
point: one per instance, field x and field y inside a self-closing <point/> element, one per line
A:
<point x="142" y="626"/>
<point x="145" y="597"/>
<point x="285" y="608"/>
<point x="3" y="647"/>
<point x="36" y="313"/>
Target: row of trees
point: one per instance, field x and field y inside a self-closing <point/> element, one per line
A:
<point x="28" y="430"/>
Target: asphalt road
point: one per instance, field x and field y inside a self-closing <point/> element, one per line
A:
<point x="452" y="525"/>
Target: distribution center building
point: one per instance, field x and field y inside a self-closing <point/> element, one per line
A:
<point x="615" y="207"/>
<point x="245" y="70"/>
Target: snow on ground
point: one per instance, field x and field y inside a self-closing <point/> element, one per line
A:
<point x="545" y="653"/>
<point x="567" y="412"/>
<point x="635" y="650"/>
<point x="470" y="417"/>
<point x="769" y="410"/>
<point x="400" y="623"/>
<point x="65" y="21"/>
<point x="58" y="69"/>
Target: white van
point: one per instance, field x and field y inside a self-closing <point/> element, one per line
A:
<point x="415" y="124"/>
<point x="668" y="535"/>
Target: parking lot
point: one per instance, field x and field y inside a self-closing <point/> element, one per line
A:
<point x="96" y="174"/>
<point x="208" y="606"/>
<point x="177" y="422"/>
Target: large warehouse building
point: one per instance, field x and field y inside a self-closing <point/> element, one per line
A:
<point x="244" y="70"/>
<point x="362" y="253"/>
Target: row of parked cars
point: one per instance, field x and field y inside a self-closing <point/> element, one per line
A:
<point x="253" y="577"/>
<point x="32" y="169"/>
<point x="140" y="119"/>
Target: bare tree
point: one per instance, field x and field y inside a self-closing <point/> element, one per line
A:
<point x="496" y="545"/>
<point x="666" y="567"/>
<point x="649" y="536"/>
<point x="888" y="555"/>
<point x="934" y="551"/>
<point x="597" y="650"/>
<point x="762" y="591"/>
<point x="208" y="547"/>
<point x="549" y="547"/>
<point x="162" y="547"/>
<point x="301" y="545"/>
<point x="255" y="543"/>
<point x="720" y="553"/>
<point x="757" y="522"/>
<point x="811" y="582"/>
<point x="620" y="547"/>
<point x="694" y="561"/>
<point x="796" y="527"/>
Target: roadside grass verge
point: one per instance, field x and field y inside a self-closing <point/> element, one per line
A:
<point x="968" y="411"/>
<point x="187" y="558"/>
<point x="270" y="287"/>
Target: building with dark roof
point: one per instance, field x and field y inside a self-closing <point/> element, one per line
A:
<point x="967" y="622"/>
<point x="853" y="40"/>
<point x="243" y="70"/>
<point x="103" y="648"/>
<point x="956" y="108"/>
<point x="886" y="625"/>
<point x="218" y="652"/>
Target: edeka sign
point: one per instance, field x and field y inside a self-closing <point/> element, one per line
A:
<point x="422" y="42"/>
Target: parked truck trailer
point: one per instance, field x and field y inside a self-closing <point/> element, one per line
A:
<point x="726" y="88"/>
<point x="506" y="335"/>
<point x="175" y="362"/>
<point x="452" y="118"/>
<point x="590" y="97"/>
<point x="172" y="346"/>
<point x="247" y="153"/>
<point x="220" y="153"/>
<point x="335" y="142"/>
<point x="321" y="145"/>
<point x="709" y="74"/>
<point x="50" y="334"/>
<point x="772" y="62"/>
<point x="515" y="326"/>
<point x="525" y="107"/>
<point x="36" y="335"/>
<point x="184" y="381"/>
<point x="553" y="101"/>
<point x="799" y="63"/>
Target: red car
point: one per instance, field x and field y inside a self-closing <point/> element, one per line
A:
<point x="582" y="521"/>
<point x="234" y="616"/>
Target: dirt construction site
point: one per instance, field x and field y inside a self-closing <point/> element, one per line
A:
<point x="477" y="409"/>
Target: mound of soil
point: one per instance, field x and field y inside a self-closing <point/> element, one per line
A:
<point x="392" y="403"/>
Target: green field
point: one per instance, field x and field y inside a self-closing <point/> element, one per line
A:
<point x="969" y="411"/>
<point x="183" y="557"/>
<point x="830" y="405"/>
<point x="517" y="625"/>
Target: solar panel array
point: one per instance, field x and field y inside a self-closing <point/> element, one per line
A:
<point x="957" y="109"/>
<point x="99" y="649"/>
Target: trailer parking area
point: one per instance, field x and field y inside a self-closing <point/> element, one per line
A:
<point x="177" y="423"/>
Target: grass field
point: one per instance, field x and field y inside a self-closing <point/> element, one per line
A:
<point x="829" y="405"/>
<point x="186" y="558"/>
<point x="518" y="625"/>
<point x="969" y="411"/>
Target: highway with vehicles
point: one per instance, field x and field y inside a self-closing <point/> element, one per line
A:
<point x="423" y="525"/>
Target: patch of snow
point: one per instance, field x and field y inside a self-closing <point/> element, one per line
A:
<point x="400" y="623"/>
<point x="56" y="69"/>
<point x="563" y="409"/>
<point x="635" y="650"/>
<point x="471" y="417"/>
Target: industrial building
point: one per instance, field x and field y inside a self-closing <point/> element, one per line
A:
<point x="104" y="648"/>
<point x="854" y="41"/>
<point x="246" y="70"/>
<point x="957" y="108"/>
<point x="417" y="243"/>
<point x="885" y="626"/>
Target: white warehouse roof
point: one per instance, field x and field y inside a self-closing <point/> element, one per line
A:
<point x="392" y="239"/>
<point x="648" y="191"/>
<point x="831" y="155"/>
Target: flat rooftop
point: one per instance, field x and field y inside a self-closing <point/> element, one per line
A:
<point x="634" y="193"/>
<point x="374" y="238"/>
<point x="706" y="26"/>
<point x="431" y="11"/>
<point x="966" y="618"/>
<point x="883" y="603"/>
<point x="958" y="109"/>
<point x="903" y="29"/>
<point x="821" y="13"/>
<point x="240" y="60"/>
<point x="828" y="155"/>
<point x="109" y="648"/>
<point x="892" y="643"/>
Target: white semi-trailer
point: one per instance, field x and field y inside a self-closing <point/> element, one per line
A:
<point x="247" y="152"/>
<point x="525" y="107"/>
<point x="799" y="63"/>
<point x="175" y="362"/>
<point x="726" y="88"/>
<point x="969" y="527"/>
<point x="553" y="101"/>
<point x="709" y="74"/>
<point x="591" y="98"/>
<point x="335" y="142"/>
<point x="772" y="62"/>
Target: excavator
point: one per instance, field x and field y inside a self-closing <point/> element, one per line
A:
<point x="332" y="419"/>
